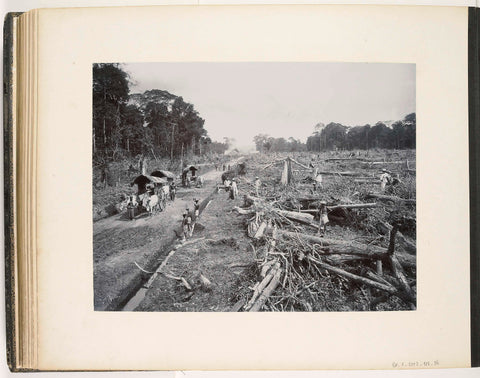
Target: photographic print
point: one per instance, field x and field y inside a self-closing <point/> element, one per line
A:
<point x="254" y="187"/>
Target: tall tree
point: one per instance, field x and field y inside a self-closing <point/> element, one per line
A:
<point x="110" y="93"/>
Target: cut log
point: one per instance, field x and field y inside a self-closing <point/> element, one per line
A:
<point x="387" y="162"/>
<point x="383" y="197"/>
<point x="377" y="277"/>
<point x="353" y="206"/>
<point x="237" y="306"/>
<point x="239" y="210"/>
<point x="367" y="181"/>
<point x="346" y="206"/>
<point x="257" y="306"/>
<point x="293" y="215"/>
<point x="266" y="268"/>
<point x="377" y="285"/>
<point x="334" y="246"/>
<point x="350" y="158"/>
<point x="400" y="275"/>
<point x="344" y="173"/>
<point x="260" y="230"/>
<point x="262" y="285"/>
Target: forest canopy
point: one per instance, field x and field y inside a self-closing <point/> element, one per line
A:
<point x="155" y="122"/>
<point x="398" y="135"/>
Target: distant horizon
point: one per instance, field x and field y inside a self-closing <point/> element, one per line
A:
<point x="241" y="100"/>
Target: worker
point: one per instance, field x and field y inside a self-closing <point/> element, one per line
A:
<point x="323" y="218"/>
<point x="257" y="185"/>
<point x="185" y="225"/>
<point x="233" y="189"/>
<point x="132" y="204"/>
<point x="385" y="179"/>
<point x="227" y="183"/>
<point x="196" y="207"/>
<point x="173" y="191"/>
<point x="189" y="221"/>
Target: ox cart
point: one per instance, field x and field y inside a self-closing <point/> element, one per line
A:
<point x="151" y="196"/>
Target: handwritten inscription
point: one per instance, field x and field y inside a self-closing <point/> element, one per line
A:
<point x="415" y="364"/>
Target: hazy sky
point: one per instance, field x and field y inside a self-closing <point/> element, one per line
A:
<point x="241" y="100"/>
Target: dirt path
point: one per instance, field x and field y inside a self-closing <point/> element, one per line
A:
<point x="219" y="251"/>
<point x="119" y="243"/>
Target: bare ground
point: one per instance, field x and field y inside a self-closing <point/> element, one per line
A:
<point x="118" y="243"/>
<point x="222" y="253"/>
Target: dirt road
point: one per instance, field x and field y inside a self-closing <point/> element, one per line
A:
<point x="119" y="243"/>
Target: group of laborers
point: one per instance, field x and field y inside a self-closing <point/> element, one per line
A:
<point x="231" y="188"/>
<point x="190" y="218"/>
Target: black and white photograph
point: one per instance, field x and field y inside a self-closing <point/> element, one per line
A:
<point x="254" y="186"/>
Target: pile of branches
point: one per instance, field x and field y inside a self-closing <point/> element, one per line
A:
<point x="301" y="271"/>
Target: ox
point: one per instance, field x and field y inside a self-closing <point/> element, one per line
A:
<point x="200" y="181"/>
<point x="150" y="203"/>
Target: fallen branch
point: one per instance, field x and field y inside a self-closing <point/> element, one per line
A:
<point x="143" y="270"/>
<point x="300" y="164"/>
<point x="181" y="279"/>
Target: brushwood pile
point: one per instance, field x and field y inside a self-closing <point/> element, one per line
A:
<point x="364" y="260"/>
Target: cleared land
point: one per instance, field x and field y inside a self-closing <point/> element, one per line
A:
<point x="264" y="253"/>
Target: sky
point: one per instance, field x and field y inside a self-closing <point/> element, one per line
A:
<point x="241" y="100"/>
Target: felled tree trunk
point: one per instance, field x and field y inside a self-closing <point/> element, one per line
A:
<point x="383" y="197"/>
<point x="332" y="246"/>
<point x="257" y="306"/>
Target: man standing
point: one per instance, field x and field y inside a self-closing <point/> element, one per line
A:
<point x="323" y="218"/>
<point x="173" y="189"/>
<point x="385" y="179"/>
<point x="185" y="225"/>
<point x="233" y="189"/>
<point x="196" y="207"/>
<point x="257" y="185"/>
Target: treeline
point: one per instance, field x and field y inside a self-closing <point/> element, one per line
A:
<point x="155" y="122"/>
<point x="401" y="135"/>
<point x="266" y="143"/>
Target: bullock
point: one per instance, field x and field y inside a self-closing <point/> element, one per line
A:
<point x="166" y="191"/>
<point x="150" y="203"/>
<point x="200" y="181"/>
